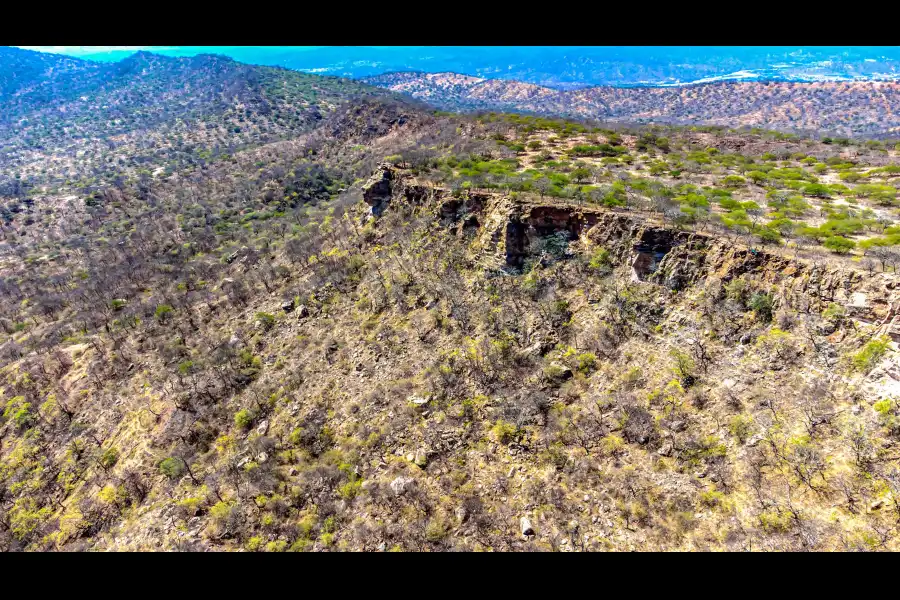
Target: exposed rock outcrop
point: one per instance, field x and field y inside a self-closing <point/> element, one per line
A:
<point x="377" y="190"/>
<point x="505" y="230"/>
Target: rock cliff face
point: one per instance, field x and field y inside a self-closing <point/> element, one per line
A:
<point x="505" y="231"/>
<point x="377" y="190"/>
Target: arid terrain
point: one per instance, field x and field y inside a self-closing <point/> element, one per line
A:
<point x="295" y="313"/>
<point x="865" y="108"/>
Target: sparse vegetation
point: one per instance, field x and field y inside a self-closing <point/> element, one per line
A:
<point x="281" y="345"/>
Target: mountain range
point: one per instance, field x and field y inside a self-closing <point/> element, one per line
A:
<point x="559" y="67"/>
<point x="833" y="105"/>
<point x="859" y="108"/>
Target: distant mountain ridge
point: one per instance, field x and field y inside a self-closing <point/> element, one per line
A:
<point x="567" y="67"/>
<point x="49" y="98"/>
<point x="165" y="111"/>
<point x="859" y="108"/>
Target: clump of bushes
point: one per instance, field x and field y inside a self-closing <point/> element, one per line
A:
<point x="871" y="353"/>
<point x="171" y="467"/>
<point x="243" y="418"/>
<point x="504" y="432"/>
<point x="761" y="304"/>
<point x="839" y="244"/>
<point x="163" y="312"/>
<point x="266" y="320"/>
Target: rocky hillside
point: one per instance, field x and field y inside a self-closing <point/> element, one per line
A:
<point x="867" y="109"/>
<point x="64" y="118"/>
<point x="470" y="372"/>
<point x="401" y="330"/>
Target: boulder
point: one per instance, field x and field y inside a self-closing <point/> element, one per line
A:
<point x="417" y="400"/>
<point x="857" y="301"/>
<point x="525" y="526"/>
<point x="461" y="514"/>
<point x="401" y="485"/>
<point x="559" y="371"/>
<point x="287" y="305"/>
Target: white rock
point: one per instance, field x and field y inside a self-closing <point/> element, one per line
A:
<point x="461" y="514"/>
<point x="857" y="300"/>
<point x="401" y="485"/>
<point x="525" y="526"/>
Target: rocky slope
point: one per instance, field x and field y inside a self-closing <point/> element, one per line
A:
<point x="68" y="119"/>
<point x="838" y="108"/>
<point x="473" y="371"/>
<point x="388" y="334"/>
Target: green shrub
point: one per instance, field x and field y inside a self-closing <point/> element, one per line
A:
<point x="437" y="528"/>
<point x="761" y="304"/>
<point x="254" y="544"/>
<point x="870" y="354"/>
<point x="612" y="444"/>
<point x="350" y="490"/>
<point x="185" y="367"/>
<point x="775" y="521"/>
<point x="243" y="418"/>
<point x="767" y="235"/>
<point x="817" y="190"/>
<point x="883" y="407"/>
<point x="109" y="458"/>
<point x="740" y="427"/>
<point x="266" y="320"/>
<point x="684" y="367"/>
<point x="163" y="311"/>
<point x="839" y="245"/>
<point x="504" y="432"/>
<point x="223" y="515"/>
<point x="601" y="260"/>
<point x="736" y="289"/>
<point x="834" y="312"/>
<point x="171" y="467"/>
<point x="712" y="498"/>
<point x="587" y="362"/>
<point x="25" y="517"/>
<point x="19" y="412"/>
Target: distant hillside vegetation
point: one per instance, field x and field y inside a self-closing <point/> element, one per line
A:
<point x="870" y="109"/>
<point x="154" y="106"/>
